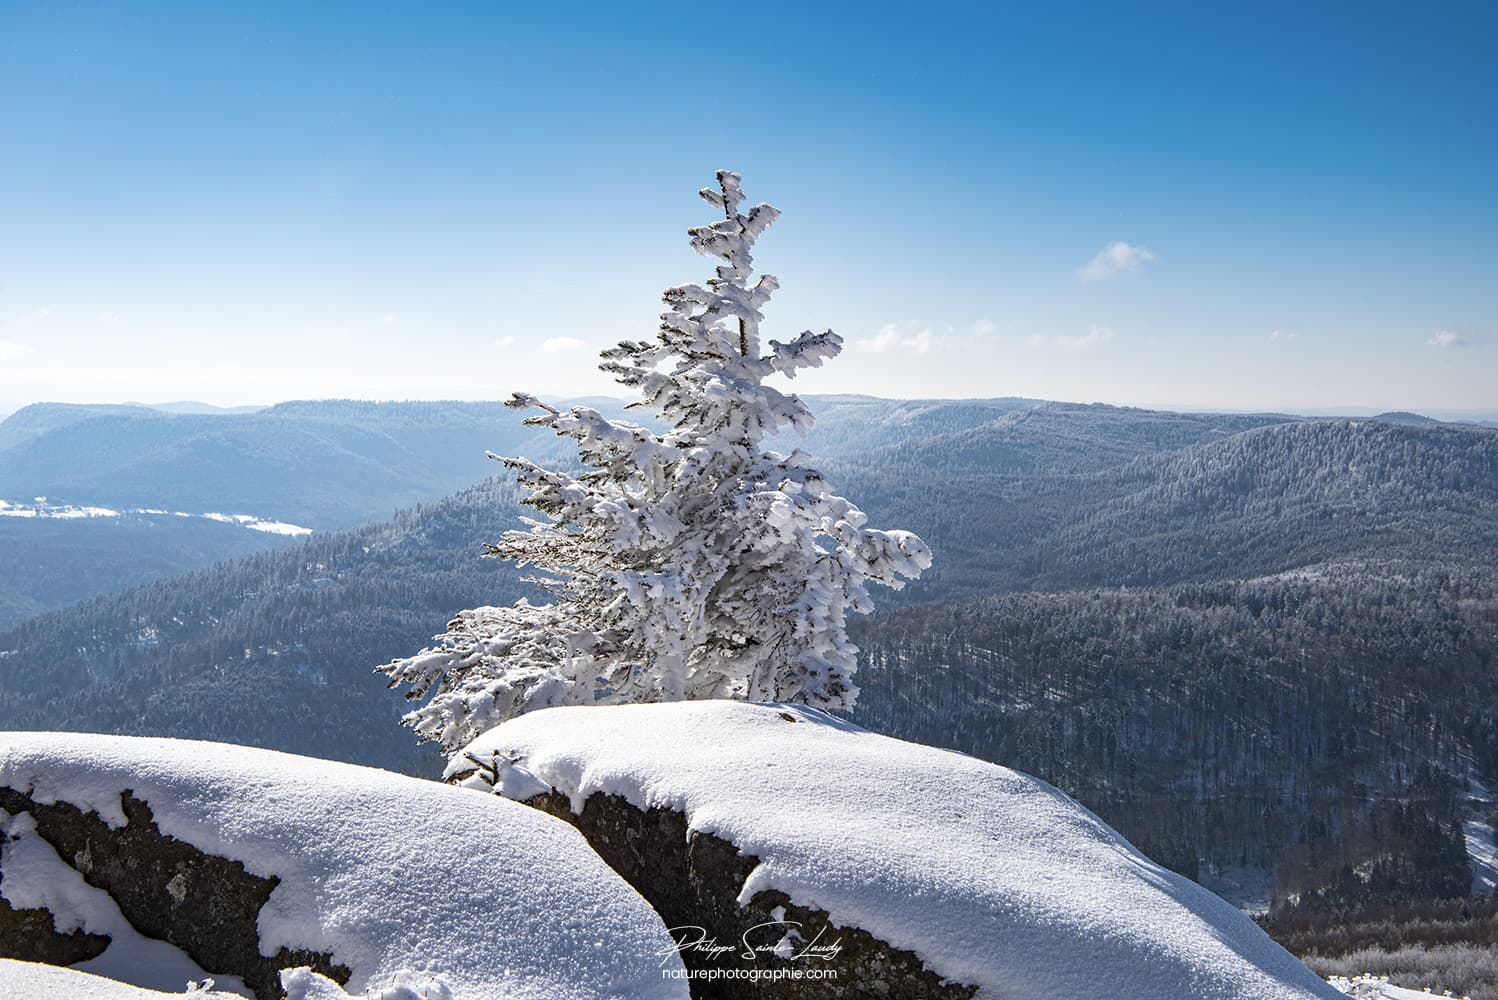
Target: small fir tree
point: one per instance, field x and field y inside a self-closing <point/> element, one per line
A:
<point x="686" y="562"/>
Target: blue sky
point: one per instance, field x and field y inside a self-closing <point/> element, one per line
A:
<point x="1192" y="205"/>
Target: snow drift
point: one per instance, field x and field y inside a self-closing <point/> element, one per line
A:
<point x="992" y="878"/>
<point x="394" y="879"/>
<point x="34" y="981"/>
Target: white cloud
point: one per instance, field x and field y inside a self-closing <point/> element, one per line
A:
<point x="10" y="351"/>
<point x="1280" y="336"/>
<point x="1095" y="336"/>
<point x="897" y="337"/>
<point x="1113" y="260"/>
<point x="39" y="314"/>
<point x="984" y="328"/>
<point x="387" y="319"/>
<point x="1447" y="338"/>
<point x="556" y="345"/>
<point x="504" y="342"/>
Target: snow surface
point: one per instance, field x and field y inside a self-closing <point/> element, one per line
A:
<point x="259" y="524"/>
<point x="1482" y="844"/>
<point x="304" y="984"/>
<point x="33" y="981"/>
<point x="991" y="877"/>
<point x="1379" y="988"/>
<point x="394" y="876"/>
<point x="1248" y="889"/>
<point x="69" y="512"/>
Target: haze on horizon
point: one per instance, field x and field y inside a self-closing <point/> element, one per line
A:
<point x="1266" y="209"/>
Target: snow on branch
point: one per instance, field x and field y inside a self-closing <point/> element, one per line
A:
<point x="687" y="562"/>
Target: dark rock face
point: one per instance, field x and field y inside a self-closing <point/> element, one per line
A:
<point x="693" y="883"/>
<point x="205" y="905"/>
<point x="29" y="935"/>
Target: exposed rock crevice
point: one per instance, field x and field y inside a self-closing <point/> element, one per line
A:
<point x="693" y="881"/>
<point x="31" y="934"/>
<point x="205" y="905"/>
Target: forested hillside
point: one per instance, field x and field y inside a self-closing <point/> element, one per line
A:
<point x="333" y="464"/>
<point x="53" y="562"/>
<point x="274" y="650"/>
<point x="1276" y="724"/>
<point x="1244" y="505"/>
<point x="1249" y="642"/>
<point x="322" y="465"/>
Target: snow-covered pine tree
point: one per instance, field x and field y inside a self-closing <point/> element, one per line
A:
<point x="685" y="563"/>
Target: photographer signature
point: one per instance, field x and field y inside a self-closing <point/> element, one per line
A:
<point x="790" y="946"/>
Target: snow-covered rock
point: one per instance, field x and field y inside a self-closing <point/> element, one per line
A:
<point x="241" y="863"/>
<point x="995" y="881"/>
<point x="1379" y="988"/>
<point x="35" y="981"/>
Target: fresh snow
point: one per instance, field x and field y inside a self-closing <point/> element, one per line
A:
<point x="1482" y="844"/>
<point x="1248" y="889"/>
<point x="394" y="876"/>
<point x="991" y="877"/>
<point x="259" y="524"/>
<point x="34" y="981"/>
<point x="278" y="528"/>
<point x="1379" y="988"/>
<point x="41" y="509"/>
<point x="304" y="984"/>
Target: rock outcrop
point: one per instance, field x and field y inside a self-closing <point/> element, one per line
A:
<point x="307" y="876"/>
<point x="693" y="880"/>
<point x="208" y="906"/>
<point x="891" y="868"/>
<point x="30" y="935"/>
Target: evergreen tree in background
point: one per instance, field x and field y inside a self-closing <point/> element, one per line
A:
<point x="687" y="563"/>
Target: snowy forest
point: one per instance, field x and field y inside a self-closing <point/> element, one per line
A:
<point x="1282" y="662"/>
<point x="992" y="501"/>
<point x="1259" y="648"/>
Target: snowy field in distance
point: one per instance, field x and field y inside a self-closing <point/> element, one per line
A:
<point x="40" y="508"/>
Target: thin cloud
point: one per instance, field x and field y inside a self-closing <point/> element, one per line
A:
<point x="1280" y="336"/>
<point x="1096" y="336"/>
<point x="556" y="345"/>
<point x="1444" y="339"/>
<point x="1115" y="259"/>
<point x="10" y="351"/>
<point x="387" y="319"/>
<point x="504" y="342"/>
<point x="897" y="337"/>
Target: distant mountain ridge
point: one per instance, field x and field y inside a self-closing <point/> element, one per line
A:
<point x="1041" y="494"/>
<point x="1358" y="558"/>
<point x="323" y="465"/>
<point x="332" y="464"/>
<point x="1027" y="510"/>
<point x="194" y="406"/>
<point x="1277" y="497"/>
<point x="38" y="419"/>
